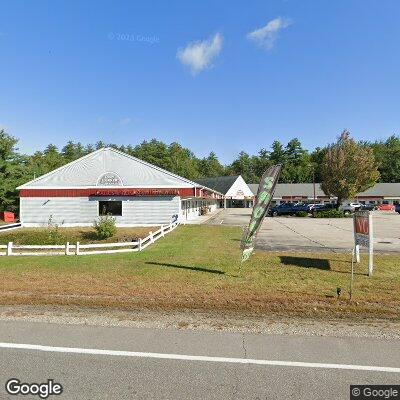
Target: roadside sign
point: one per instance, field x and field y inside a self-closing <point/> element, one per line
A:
<point x="363" y="236"/>
<point x="262" y="201"/>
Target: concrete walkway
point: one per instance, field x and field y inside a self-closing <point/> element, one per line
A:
<point x="204" y="218"/>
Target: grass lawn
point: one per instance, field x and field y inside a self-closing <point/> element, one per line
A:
<point x="198" y="267"/>
<point x="63" y="235"/>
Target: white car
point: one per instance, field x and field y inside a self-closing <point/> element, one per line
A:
<point x="349" y="208"/>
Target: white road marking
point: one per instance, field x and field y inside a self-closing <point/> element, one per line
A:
<point x="184" y="357"/>
<point x="221" y="221"/>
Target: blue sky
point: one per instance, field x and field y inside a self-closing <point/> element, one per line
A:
<point x="212" y="75"/>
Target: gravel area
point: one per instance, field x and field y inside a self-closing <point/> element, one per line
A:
<point x="193" y="320"/>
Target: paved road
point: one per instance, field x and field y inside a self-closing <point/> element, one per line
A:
<point x="314" y="234"/>
<point x="114" y="375"/>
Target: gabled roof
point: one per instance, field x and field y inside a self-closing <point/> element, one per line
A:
<point x="220" y="183"/>
<point x="298" y="189"/>
<point x="254" y="187"/>
<point x="383" y="189"/>
<point x="128" y="171"/>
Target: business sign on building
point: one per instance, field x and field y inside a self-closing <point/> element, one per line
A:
<point x="363" y="235"/>
<point x="137" y="192"/>
<point x="109" y="179"/>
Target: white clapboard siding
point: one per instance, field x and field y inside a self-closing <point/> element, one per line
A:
<point x="148" y="210"/>
<point x="38" y="210"/>
<point x="84" y="210"/>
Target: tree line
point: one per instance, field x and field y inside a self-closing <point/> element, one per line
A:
<point x="299" y="164"/>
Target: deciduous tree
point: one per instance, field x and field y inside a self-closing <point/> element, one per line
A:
<point x="348" y="168"/>
<point x="12" y="172"/>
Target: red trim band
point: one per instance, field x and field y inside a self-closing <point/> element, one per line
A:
<point x="182" y="192"/>
<point x="104" y="192"/>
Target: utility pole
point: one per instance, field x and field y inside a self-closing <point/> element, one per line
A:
<point x="313" y="179"/>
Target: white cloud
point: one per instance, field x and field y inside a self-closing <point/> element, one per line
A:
<point x="267" y="35"/>
<point x="199" y="55"/>
<point x="125" y="121"/>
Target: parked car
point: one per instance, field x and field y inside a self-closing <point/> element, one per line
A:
<point x="322" y="207"/>
<point x="302" y="207"/>
<point x="386" y="207"/>
<point x="397" y="208"/>
<point x="290" y="209"/>
<point x="282" y="209"/>
<point x="350" y="208"/>
<point x="368" y="207"/>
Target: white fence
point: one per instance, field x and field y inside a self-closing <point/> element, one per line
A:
<point x="10" y="227"/>
<point x="78" y="249"/>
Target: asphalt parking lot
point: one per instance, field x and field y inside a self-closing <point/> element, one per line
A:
<point x="314" y="234"/>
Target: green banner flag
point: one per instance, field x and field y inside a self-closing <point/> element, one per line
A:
<point x="263" y="200"/>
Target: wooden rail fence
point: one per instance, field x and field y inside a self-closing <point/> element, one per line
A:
<point x="79" y="249"/>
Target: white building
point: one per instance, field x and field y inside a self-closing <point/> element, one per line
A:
<point x="236" y="191"/>
<point x="110" y="182"/>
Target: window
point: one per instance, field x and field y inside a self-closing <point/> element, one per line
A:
<point x="110" y="208"/>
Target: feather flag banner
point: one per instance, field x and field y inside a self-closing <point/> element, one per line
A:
<point x="265" y="193"/>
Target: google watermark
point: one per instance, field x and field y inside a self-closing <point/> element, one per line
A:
<point x="131" y="37"/>
<point x="374" y="392"/>
<point x="14" y="387"/>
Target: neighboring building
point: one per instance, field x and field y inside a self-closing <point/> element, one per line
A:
<point x="109" y="181"/>
<point x="387" y="193"/>
<point x="236" y="191"/>
<point x="381" y="193"/>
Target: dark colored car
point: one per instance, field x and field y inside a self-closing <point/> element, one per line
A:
<point x="281" y="209"/>
<point x="368" y="207"/>
<point x="397" y="209"/>
<point x="323" y="207"/>
<point x="289" y="209"/>
<point x="302" y="207"/>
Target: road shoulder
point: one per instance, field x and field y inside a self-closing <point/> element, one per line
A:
<point x="205" y="321"/>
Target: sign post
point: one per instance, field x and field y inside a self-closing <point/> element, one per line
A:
<point x="363" y="236"/>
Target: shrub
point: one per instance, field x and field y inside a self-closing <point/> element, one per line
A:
<point x="302" y="214"/>
<point x="105" y="227"/>
<point x="329" y="214"/>
<point x="53" y="235"/>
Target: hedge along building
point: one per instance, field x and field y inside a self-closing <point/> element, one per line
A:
<point x="108" y="181"/>
<point x="236" y="191"/>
